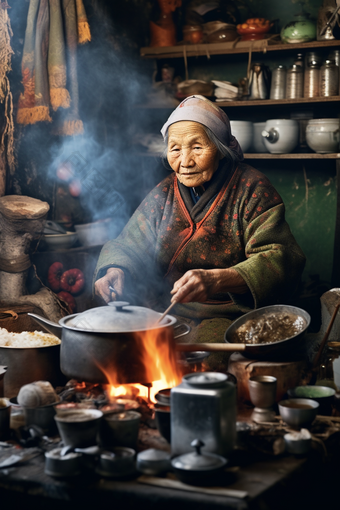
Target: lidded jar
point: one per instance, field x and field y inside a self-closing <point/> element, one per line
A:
<point x="278" y="83"/>
<point x="294" y="82"/>
<point x="329" y="79"/>
<point x="311" y="80"/>
<point x="204" y="406"/>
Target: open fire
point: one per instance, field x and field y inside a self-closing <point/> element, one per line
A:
<point x="160" y="366"/>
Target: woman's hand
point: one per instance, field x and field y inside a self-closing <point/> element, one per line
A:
<point x="201" y="284"/>
<point x="115" y="278"/>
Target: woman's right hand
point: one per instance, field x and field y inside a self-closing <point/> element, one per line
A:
<point x="115" y="278"/>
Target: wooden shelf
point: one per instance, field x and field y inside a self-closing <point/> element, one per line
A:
<point x="259" y="102"/>
<point x="225" y="48"/>
<point x="309" y="155"/>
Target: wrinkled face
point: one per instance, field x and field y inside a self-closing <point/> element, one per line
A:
<point x="191" y="154"/>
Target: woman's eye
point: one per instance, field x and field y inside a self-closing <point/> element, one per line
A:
<point x="197" y="148"/>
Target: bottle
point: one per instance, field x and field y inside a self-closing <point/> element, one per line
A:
<point x="294" y="82"/>
<point x="311" y="80"/>
<point x="278" y="84"/>
<point x="329" y="79"/>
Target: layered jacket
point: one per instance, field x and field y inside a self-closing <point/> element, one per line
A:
<point x="238" y="222"/>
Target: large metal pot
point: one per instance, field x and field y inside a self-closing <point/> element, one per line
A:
<point x="29" y="364"/>
<point x="106" y="344"/>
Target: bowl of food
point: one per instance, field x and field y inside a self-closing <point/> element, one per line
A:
<point x="254" y="29"/>
<point x="298" y="412"/>
<point x="324" y="395"/>
<point x="270" y="333"/>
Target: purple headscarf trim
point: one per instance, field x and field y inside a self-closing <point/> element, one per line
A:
<point x="199" y="109"/>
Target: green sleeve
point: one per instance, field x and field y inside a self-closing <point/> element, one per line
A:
<point x="274" y="261"/>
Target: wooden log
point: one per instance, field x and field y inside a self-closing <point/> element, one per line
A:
<point x="21" y="226"/>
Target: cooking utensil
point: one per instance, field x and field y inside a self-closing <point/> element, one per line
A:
<point x="203" y="405"/>
<point x="298" y="412"/>
<point x="43" y="417"/>
<point x="298" y="443"/>
<point x="29" y="364"/>
<point x="117" y="463"/>
<point x="153" y="462"/>
<point x="198" y="468"/>
<point x="59" y="465"/>
<point x="79" y="428"/>
<point x="120" y="429"/>
<point x="109" y="340"/>
<point x="166" y="312"/>
<point x="324" y="395"/>
<point x="276" y="351"/>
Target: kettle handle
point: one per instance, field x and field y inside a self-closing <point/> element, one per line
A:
<point x="51" y="327"/>
<point x="187" y="328"/>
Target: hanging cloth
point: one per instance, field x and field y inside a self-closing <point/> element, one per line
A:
<point x="49" y="64"/>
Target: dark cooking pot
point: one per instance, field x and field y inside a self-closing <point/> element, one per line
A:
<point x="107" y="344"/>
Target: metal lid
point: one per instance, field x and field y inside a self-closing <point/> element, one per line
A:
<point x="152" y="454"/>
<point x="205" y="379"/>
<point x="198" y="461"/>
<point x="119" y="317"/>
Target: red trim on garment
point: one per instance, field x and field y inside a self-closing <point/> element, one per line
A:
<point x="194" y="228"/>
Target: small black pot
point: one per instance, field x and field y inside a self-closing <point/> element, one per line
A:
<point x="162" y="417"/>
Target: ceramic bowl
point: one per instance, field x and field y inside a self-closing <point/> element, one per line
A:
<point x="298" y="412"/>
<point x="243" y="132"/>
<point x="323" y="136"/>
<point x="321" y="394"/>
<point x="94" y="234"/>
<point x="61" y="241"/>
<point x="281" y="136"/>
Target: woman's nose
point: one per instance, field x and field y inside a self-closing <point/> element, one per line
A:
<point x="187" y="160"/>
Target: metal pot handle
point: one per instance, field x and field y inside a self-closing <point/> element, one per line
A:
<point x="187" y="328"/>
<point x="51" y="327"/>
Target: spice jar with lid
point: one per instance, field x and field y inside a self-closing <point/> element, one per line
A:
<point x="278" y="83"/>
<point x="294" y="82"/>
<point x="311" y="80"/>
<point x="329" y="79"/>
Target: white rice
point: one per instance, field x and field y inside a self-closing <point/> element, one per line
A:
<point x="27" y="339"/>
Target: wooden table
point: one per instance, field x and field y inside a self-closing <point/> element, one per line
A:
<point x="271" y="482"/>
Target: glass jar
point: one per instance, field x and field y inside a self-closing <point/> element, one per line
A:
<point x="329" y="79"/>
<point x="294" y="82"/>
<point x="278" y="83"/>
<point x="311" y="80"/>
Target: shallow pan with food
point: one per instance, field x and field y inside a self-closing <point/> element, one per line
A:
<point x="285" y="349"/>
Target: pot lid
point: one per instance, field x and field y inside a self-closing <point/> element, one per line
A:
<point x="205" y="379"/>
<point x="118" y="317"/>
<point x="197" y="461"/>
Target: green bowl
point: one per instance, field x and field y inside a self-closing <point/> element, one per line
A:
<point x="322" y="394"/>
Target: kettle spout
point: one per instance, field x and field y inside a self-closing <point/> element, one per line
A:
<point x="272" y="135"/>
<point x="50" y="326"/>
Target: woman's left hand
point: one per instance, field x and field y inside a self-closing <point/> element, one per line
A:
<point x="201" y="284"/>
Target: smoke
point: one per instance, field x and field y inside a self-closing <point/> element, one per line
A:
<point x="98" y="174"/>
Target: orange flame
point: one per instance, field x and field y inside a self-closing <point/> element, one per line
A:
<point x="158" y="357"/>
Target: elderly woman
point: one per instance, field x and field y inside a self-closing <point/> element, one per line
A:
<point x="213" y="233"/>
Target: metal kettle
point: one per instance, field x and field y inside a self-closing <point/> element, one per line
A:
<point x="258" y="81"/>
